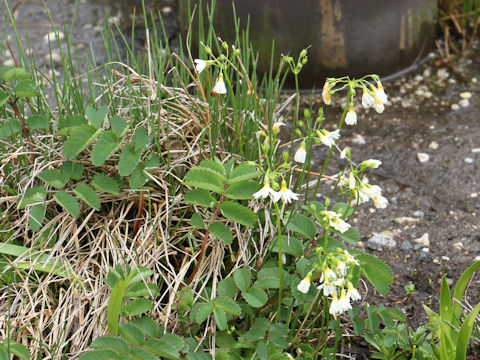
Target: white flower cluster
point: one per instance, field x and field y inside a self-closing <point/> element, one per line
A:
<point x="284" y="194"/>
<point x="335" y="284"/>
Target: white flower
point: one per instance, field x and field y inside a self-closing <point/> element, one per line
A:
<point x="301" y="153"/>
<point x="285" y="194"/>
<point x="352" y="293"/>
<point x="200" y="65"/>
<point x="344" y="302"/>
<point x="327" y="281"/>
<point x="289" y="356"/>
<point x="335" y="221"/>
<point x="328" y="138"/>
<point x="367" y="99"/>
<point x="276" y="127"/>
<point x="372" y="191"/>
<point x="380" y="202"/>
<point x="351" y="118"/>
<point x="371" y="163"/>
<point x="342" y="271"/>
<point x="351" y="181"/>
<point x="334" y="305"/>
<point x="342" y="180"/>
<point x="304" y="285"/>
<point x="219" y="87"/>
<point x="361" y="196"/>
<point x="326" y="95"/>
<point x="380" y="93"/>
<point x="265" y="191"/>
<point x="350" y="259"/>
<point x="379" y="106"/>
<point x="345" y="152"/>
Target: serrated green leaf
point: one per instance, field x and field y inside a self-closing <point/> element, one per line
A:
<point x="34" y="195"/>
<point x="201" y="311"/>
<point x="17" y="349"/>
<point x="222" y="232"/>
<point x="72" y="170"/>
<point x="228" y="305"/>
<point x="227" y="287"/>
<point x="110" y="342"/>
<point x="106" y="145"/>
<point x="262" y="350"/>
<point x="290" y="245"/>
<point x="67" y="124"/>
<point x="242" y="278"/>
<point x="26" y="88"/>
<point x="152" y="161"/>
<point x="37" y="122"/>
<point x="118" y="125"/>
<point x="220" y="318"/>
<point x="80" y="138"/>
<point x="278" y="334"/>
<point x="147" y="325"/>
<point x="243" y="172"/>
<point x="105" y="183"/>
<point x="238" y="213"/>
<point x="12" y="73"/>
<point x="200" y="197"/>
<point x="255" y="297"/>
<point x="37" y="214"/>
<point x="351" y="236"/>
<point x="137" y="307"/>
<point x="87" y="195"/>
<point x="96" y="117"/>
<point x="377" y="272"/>
<point x="101" y="354"/>
<point x="141" y="139"/>
<point x="242" y="190"/>
<point x="129" y="159"/>
<point x="11" y="127"/>
<point x="268" y="278"/>
<point x="54" y="178"/>
<point x="4" y="97"/>
<point x="258" y="329"/>
<point x="303" y="225"/>
<point x="203" y="179"/>
<point x="68" y="202"/>
<point x="131" y="333"/>
<point x="197" y="221"/>
<point x="138" y="177"/>
<point x="141" y="354"/>
<point x="213" y="167"/>
<point x="141" y="289"/>
<point x="162" y="348"/>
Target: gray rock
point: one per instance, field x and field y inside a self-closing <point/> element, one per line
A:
<point x="380" y="241"/>
<point x="406" y="245"/>
<point x="418" y="246"/>
<point x="418" y="213"/>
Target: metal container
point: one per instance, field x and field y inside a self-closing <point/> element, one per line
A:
<point x="347" y="37"/>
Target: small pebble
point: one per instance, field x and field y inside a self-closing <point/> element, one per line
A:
<point x="476" y="150"/>
<point x="423" y="157"/>
<point x="359" y="139"/>
<point x="468" y="160"/>
<point x="417" y="247"/>
<point x="445" y="258"/>
<point x="406" y="245"/>
<point x="455" y="107"/>
<point x="424" y="240"/>
<point x="418" y="213"/>
<point x="436" y="261"/>
<point x="464" y="103"/>
<point x="380" y="241"/>
<point x="402" y="220"/>
<point x="466" y="95"/>
<point x="425" y="250"/>
<point x="442" y="73"/>
<point x="458" y="246"/>
<point x="473" y="195"/>
<point x="428" y="94"/>
<point x="51" y="36"/>
<point x="449" y="281"/>
<point x="433" y="145"/>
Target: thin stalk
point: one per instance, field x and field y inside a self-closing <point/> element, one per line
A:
<point x="280" y="261"/>
<point x="295" y="115"/>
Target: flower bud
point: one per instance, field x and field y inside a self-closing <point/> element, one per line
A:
<point x="303" y="53"/>
<point x="306" y="113"/>
<point x="327" y="203"/>
<point x="285" y="156"/>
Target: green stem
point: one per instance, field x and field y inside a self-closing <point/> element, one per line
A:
<point x="297" y="335"/>
<point x="295" y="115"/>
<point x="280" y="261"/>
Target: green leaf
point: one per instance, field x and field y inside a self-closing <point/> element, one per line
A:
<point x="351" y="236"/>
<point x="105" y="183"/>
<point x="72" y="170"/>
<point x="137" y="307"/>
<point x="152" y="161"/>
<point x="258" y="329"/>
<point x="242" y="190"/>
<point x="37" y="214"/>
<point x="141" y="139"/>
<point x="110" y="342"/>
<point x="103" y="354"/>
<point x="201" y="311"/>
<point x="16" y="349"/>
<point x="11" y="127"/>
<point x="34" y="195"/>
<point x="81" y="137"/>
<point x="162" y="348"/>
<point x="87" y="195"/>
<point x="141" y="289"/>
<point x="242" y="278"/>
<point x="147" y="325"/>
<point x="290" y="245"/>
<point x="12" y="73"/>
<point x="228" y="305"/>
<point x="377" y="272"/>
<point x="26" y="88"/>
<point x="220" y="318"/>
<point x="71" y="121"/>
<point x="238" y="213"/>
<point x="222" y="232"/>
<point x="96" y="117"/>
<point x="129" y="159"/>
<point x="268" y="278"/>
<point x="465" y="333"/>
<point x="278" y="335"/>
<point x="118" y="125"/>
<point x="37" y="122"/>
<point x="214" y="167"/>
<point x="68" y="202"/>
<point x="138" y="177"/>
<point x="255" y="297"/>
<point x="54" y="178"/>
<point x="445" y="301"/>
<point x="243" y="172"/>
<point x="106" y="145"/>
<point x="303" y="225"/>
<point x="197" y="221"/>
<point x="262" y="350"/>
<point x="203" y="179"/>
<point x="200" y="197"/>
<point x="461" y="286"/>
<point x="226" y="287"/>
<point x="4" y="97"/>
<point x="131" y="333"/>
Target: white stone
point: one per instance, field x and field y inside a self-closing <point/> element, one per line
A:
<point x="468" y="160"/>
<point x="52" y="37"/>
<point x="458" y="245"/>
<point x="455" y="107"/>
<point x="423" y="157"/>
<point x="476" y="150"/>
<point x="442" y="73"/>
<point x="359" y="139"/>
<point x="424" y="240"/>
<point x="464" y="103"/>
<point x="403" y="220"/>
<point x="428" y="94"/>
<point x="473" y="195"/>
<point x="381" y="241"/>
<point x="445" y="258"/>
<point x="426" y="250"/>
<point x="433" y="145"/>
<point x="466" y="95"/>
